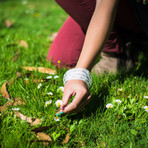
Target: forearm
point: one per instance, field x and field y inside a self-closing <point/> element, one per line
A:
<point x="97" y="33"/>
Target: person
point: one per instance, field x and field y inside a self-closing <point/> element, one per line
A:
<point x="95" y="27"/>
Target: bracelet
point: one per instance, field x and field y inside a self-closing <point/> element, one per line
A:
<point x="78" y="74"/>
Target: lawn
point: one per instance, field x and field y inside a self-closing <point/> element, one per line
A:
<point x="27" y="108"/>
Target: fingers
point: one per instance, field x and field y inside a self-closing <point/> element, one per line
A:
<point x="81" y="105"/>
<point x="66" y="96"/>
<point x="74" y="107"/>
<point x="79" y="89"/>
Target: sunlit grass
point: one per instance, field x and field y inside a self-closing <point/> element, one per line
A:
<point x="122" y="125"/>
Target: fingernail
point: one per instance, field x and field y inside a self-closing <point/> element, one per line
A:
<point x="145" y="3"/>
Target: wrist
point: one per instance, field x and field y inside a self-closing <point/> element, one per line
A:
<point x="78" y="74"/>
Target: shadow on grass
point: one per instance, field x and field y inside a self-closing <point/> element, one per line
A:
<point x="98" y="99"/>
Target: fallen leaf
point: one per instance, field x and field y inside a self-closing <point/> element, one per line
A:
<point x="18" y="101"/>
<point x="36" y="122"/>
<point x="23" y="43"/>
<point x="35" y="80"/>
<point x="8" y="103"/>
<point x="8" y="23"/>
<point x="38" y="80"/>
<point x="41" y="69"/>
<point x="23" y="117"/>
<point x="15" y="56"/>
<point x="66" y="139"/>
<point x="4" y="91"/>
<point x="14" y="102"/>
<point x="43" y="137"/>
<point x="4" y="107"/>
<point x="29" y="119"/>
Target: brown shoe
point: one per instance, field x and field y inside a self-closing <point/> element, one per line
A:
<point x="111" y="63"/>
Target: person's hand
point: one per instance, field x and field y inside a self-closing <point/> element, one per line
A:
<point x="78" y="89"/>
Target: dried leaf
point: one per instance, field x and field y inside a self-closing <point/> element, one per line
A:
<point x="8" y="23"/>
<point x="37" y="80"/>
<point x="41" y="69"/>
<point x="4" y="91"/>
<point x="23" y="117"/>
<point x="15" y="56"/>
<point x="29" y="119"/>
<point x="36" y="122"/>
<point x="9" y="103"/>
<point x="46" y="70"/>
<point x="3" y="109"/>
<point x="18" y="101"/>
<point x="66" y="139"/>
<point x="23" y="43"/>
<point x="43" y="137"/>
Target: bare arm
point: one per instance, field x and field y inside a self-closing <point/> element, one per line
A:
<point x="97" y="33"/>
<point x="96" y="36"/>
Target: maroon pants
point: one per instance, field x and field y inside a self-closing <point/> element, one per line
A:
<point x="68" y="44"/>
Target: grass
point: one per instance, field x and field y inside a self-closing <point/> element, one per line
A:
<point x="124" y="125"/>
